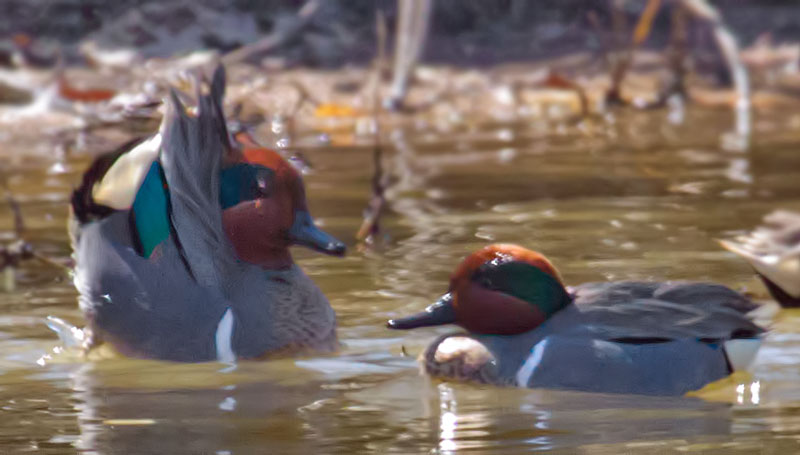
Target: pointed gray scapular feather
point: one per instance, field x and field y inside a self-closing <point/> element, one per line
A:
<point x="191" y="154"/>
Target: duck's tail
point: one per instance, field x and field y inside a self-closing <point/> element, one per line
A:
<point x="742" y="352"/>
<point x="780" y="272"/>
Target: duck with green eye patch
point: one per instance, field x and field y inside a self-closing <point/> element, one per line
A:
<point x="524" y="328"/>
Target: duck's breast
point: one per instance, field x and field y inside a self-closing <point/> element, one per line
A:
<point x="279" y="311"/>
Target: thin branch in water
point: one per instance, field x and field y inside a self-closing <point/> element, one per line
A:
<point x="678" y="45"/>
<point x="606" y="45"/>
<point x="411" y="32"/>
<point x="676" y="56"/>
<point x="622" y="61"/>
<point x="278" y="38"/>
<point x="19" y="223"/>
<point x="645" y="24"/>
<point x="726" y="41"/>
<point x="305" y="97"/>
<point x="12" y="255"/>
<point x="370" y="227"/>
<point x="556" y="80"/>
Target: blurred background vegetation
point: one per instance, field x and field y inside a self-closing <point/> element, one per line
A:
<point x="343" y="31"/>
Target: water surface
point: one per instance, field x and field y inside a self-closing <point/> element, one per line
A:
<point x="630" y="196"/>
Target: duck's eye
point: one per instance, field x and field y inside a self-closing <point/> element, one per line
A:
<point x="263" y="185"/>
<point x="483" y="279"/>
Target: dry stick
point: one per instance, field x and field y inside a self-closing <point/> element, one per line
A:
<point x="19" y="250"/>
<point x="645" y="24"/>
<point x="559" y="81"/>
<point x="276" y="39"/>
<point x="11" y="255"/>
<point x="412" y="29"/>
<point x="602" y="34"/>
<point x="19" y="224"/>
<point x="305" y="97"/>
<point x="677" y="55"/>
<point x="640" y="34"/>
<point x="621" y="61"/>
<point x="730" y="52"/>
<point x="370" y="227"/>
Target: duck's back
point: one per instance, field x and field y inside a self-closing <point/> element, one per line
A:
<point x="145" y="307"/>
<point x="638" y="311"/>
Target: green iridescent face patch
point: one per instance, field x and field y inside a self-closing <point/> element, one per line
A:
<point x="244" y="182"/>
<point x="524" y="281"/>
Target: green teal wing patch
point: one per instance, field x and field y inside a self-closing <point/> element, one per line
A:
<point x="150" y="211"/>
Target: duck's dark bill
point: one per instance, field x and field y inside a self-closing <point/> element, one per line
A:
<point x="440" y="313"/>
<point x="305" y="233"/>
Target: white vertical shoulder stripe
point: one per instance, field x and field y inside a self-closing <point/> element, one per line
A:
<point x="526" y="370"/>
<point x="224" y="338"/>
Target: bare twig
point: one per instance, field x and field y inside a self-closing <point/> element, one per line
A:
<point x="622" y="62"/>
<point x="380" y="60"/>
<point x="278" y="38"/>
<point x="19" y="250"/>
<point x="677" y="55"/>
<point x="557" y="80"/>
<point x="702" y="10"/>
<point x="411" y="32"/>
<point x="19" y="224"/>
<point x="606" y="44"/>
<point x="370" y="227"/>
<point x="305" y="97"/>
<point x="645" y="24"/>
<point x="621" y="59"/>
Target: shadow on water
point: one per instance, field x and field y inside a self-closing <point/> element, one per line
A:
<point x="629" y="197"/>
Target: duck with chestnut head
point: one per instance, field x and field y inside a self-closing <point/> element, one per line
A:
<point x="525" y="328"/>
<point x="182" y="245"/>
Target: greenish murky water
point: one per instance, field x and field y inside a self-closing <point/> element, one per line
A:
<point x="628" y="197"/>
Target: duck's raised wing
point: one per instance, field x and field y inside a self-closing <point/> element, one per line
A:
<point x="192" y="151"/>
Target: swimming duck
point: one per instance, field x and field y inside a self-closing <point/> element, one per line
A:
<point x="525" y="328"/>
<point x="181" y="242"/>
<point x="774" y="252"/>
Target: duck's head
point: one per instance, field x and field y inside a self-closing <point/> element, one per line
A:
<point x="265" y="210"/>
<point x="500" y="289"/>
